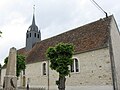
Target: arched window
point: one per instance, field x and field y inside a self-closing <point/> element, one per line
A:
<point x="75" y="66"/>
<point x="44" y="69"/>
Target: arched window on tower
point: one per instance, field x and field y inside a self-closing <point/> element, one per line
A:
<point x="35" y="34"/>
<point x="30" y="34"/>
<point x="44" y="66"/>
<point x="38" y="36"/>
<point x="75" y="66"/>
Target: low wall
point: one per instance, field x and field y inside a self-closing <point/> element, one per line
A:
<point x="72" y="88"/>
<point x="29" y="88"/>
<point x="20" y="88"/>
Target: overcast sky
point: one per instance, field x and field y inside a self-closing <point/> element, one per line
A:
<point x="52" y="17"/>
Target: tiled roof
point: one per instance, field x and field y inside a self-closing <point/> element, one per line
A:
<point x="22" y="51"/>
<point x="85" y="38"/>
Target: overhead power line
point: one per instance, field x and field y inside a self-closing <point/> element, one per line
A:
<point x="100" y="8"/>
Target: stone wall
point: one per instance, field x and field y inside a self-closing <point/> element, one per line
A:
<point x="115" y="42"/>
<point x="3" y="72"/>
<point x="95" y="71"/>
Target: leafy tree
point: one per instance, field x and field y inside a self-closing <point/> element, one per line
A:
<point x="60" y="57"/>
<point x="20" y="64"/>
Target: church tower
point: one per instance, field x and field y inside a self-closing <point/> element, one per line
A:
<point x="33" y="35"/>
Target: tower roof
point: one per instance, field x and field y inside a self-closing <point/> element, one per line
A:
<point x="33" y="21"/>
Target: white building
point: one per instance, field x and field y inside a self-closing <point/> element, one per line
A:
<point x="96" y="58"/>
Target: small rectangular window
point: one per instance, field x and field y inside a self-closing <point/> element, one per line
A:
<point x="38" y="36"/>
<point x="27" y="35"/>
<point x="30" y="34"/>
<point x="35" y="34"/>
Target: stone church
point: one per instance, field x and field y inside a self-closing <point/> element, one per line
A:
<point x="96" y="59"/>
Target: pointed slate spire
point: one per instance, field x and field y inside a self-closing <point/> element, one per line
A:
<point x="33" y="21"/>
<point x="33" y="27"/>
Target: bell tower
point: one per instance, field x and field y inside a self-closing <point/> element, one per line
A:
<point x="33" y="35"/>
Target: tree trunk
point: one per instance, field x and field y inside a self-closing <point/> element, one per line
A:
<point x="61" y="85"/>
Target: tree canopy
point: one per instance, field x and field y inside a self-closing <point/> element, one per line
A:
<point x="20" y="64"/>
<point x="60" y="57"/>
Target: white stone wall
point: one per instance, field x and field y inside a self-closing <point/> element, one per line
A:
<point x="34" y="73"/>
<point x="95" y="69"/>
<point x="95" y="72"/>
<point x="115" y="39"/>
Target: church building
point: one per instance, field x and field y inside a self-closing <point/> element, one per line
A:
<point x="96" y="64"/>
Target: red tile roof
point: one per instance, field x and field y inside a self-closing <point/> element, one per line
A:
<point x="85" y="38"/>
<point x="22" y="51"/>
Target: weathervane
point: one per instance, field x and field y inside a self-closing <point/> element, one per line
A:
<point x="33" y="9"/>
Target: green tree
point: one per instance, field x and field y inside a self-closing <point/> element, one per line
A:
<point x="0" y="33"/>
<point x="60" y="57"/>
<point x="20" y="64"/>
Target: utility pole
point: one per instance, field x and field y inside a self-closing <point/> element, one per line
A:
<point x="48" y="76"/>
<point x="0" y="73"/>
